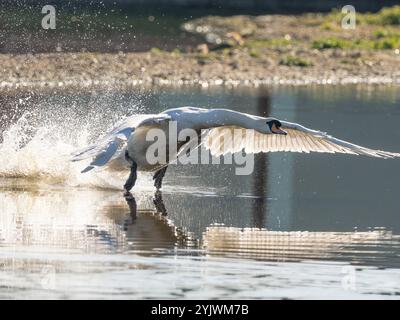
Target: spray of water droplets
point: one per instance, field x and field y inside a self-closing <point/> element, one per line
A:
<point x="37" y="145"/>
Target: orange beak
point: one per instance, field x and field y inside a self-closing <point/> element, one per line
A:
<point x="277" y="130"/>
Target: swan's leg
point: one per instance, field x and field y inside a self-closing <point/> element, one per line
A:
<point x="158" y="176"/>
<point x="133" y="174"/>
<point x="130" y="200"/>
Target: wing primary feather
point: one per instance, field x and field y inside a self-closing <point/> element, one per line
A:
<point x="298" y="139"/>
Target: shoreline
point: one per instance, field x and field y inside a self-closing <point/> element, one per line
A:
<point x="98" y="70"/>
<point x="249" y="51"/>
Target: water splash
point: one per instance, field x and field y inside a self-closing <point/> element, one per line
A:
<point x="39" y="144"/>
<point x="31" y="152"/>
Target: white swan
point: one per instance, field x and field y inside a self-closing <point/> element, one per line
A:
<point x="126" y="145"/>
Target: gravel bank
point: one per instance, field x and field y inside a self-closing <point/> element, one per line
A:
<point x="163" y="68"/>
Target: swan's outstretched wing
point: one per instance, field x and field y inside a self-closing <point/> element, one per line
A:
<point x="103" y="150"/>
<point x="230" y="139"/>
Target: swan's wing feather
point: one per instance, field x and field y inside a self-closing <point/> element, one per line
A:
<point x="230" y="139"/>
<point x="105" y="155"/>
<point x="318" y="141"/>
<point x="154" y="120"/>
<point x="102" y="145"/>
<point x="103" y="150"/>
<point x="123" y="128"/>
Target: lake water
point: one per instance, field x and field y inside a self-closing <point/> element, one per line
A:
<point x="301" y="226"/>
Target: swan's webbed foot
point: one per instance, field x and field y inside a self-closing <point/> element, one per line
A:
<point x="132" y="176"/>
<point x="158" y="177"/>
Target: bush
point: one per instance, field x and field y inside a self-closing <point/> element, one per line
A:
<point x="295" y="61"/>
<point x="386" y="16"/>
<point x="329" y="43"/>
<point x="387" y="43"/>
<point x="389" y="16"/>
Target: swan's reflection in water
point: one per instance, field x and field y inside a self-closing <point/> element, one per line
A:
<point x="80" y="243"/>
<point x="150" y="229"/>
<point x="102" y="221"/>
<point x="92" y="221"/>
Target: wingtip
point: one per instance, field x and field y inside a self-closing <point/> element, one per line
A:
<point x="385" y="154"/>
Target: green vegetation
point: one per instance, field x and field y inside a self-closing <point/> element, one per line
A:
<point x="203" y="58"/>
<point x="254" y="53"/>
<point x="380" y="42"/>
<point x="329" y="25"/>
<point x="295" y="61"/>
<point x="174" y="53"/>
<point x="387" y="43"/>
<point x="330" y="43"/>
<point x="384" y="38"/>
<point x="156" y="50"/>
<point x="386" y="17"/>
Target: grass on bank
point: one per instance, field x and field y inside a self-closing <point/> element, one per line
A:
<point x="295" y="61"/>
<point x="384" y="37"/>
<point x="389" y="16"/>
<point x="376" y="43"/>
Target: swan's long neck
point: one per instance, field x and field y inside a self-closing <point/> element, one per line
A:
<point x="223" y="117"/>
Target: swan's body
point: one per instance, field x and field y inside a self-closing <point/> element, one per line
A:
<point x="126" y="145"/>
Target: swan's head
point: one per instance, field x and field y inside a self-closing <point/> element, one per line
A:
<point x="274" y="126"/>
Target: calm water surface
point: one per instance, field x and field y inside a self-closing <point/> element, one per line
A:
<point x="301" y="226"/>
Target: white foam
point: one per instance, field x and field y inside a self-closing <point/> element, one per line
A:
<point x="42" y="154"/>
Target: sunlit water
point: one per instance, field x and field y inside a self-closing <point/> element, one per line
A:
<point x="301" y="226"/>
